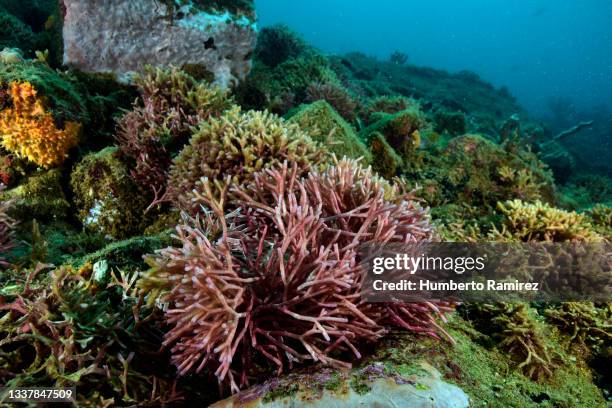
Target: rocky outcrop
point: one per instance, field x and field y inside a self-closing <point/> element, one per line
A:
<point x="123" y="36"/>
<point x="370" y="387"/>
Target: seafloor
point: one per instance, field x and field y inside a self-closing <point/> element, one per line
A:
<point x="166" y="241"/>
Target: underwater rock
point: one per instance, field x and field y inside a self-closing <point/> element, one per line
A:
<point x="483" y="105"/>
<point x="368" y="387"/>
<point x="451" y="122"/>
<point x="325" y="125"/>
<point x="106" y="198"/>
<point x="123" y="36"/>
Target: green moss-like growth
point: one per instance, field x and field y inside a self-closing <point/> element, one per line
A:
<point x="451" y="122"/>
<point x="15" y="34"/>
<point x="489" y="375"/>
<point x="283" y="86"/>
<point x="40" y="196"/>
<point x="295" y="75"/>
<point x="480" y="169"/>
<point x="106" y="198"/>
<point x="463" y="179"/>
<point x="126" y="254"/>
<point x="327" y="127"/>
<point x="589" y="333"/>
<point x="32" y="26"/>
<point x="401" y="130"/>
<point x="583" y="191"/>
<point x="277" y="44"/>
<point x="519" y="333"/>
<point x="386" y="104"/>
<point x="385" y="161"/>
<point x="585" y="323"/>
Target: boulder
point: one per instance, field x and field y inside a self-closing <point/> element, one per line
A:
<point x="123" y="36"/>
<point x="370" y="387"/>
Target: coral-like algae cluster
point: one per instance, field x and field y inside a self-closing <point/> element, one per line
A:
<point x="29" y="131"/>
<point x="282" y="281"/>
<point x="541" y="222"/>
<point x="234" y="147"/>
<point x="171" y="102"/>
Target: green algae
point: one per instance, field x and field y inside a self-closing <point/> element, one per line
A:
<point x="487" y="374"/>
<point x="128" y="253"/>
<point x="286" y="390"/>
<point x="107" y="199"/>
<point x="40" y="196"/>
<point x="327" y="127"/>
<point x="385" y="161"/>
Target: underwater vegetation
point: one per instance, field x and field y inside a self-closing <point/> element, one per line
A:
<point x="231" y="149"/>
<point x="173" y="233"/>
<point x="30" y="132"/>
<point x="171" y="102"/>
<point x="6" y="226"/>
<point x="281" y="281"/>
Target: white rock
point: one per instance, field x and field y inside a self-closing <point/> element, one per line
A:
<point x="426" y="390"/>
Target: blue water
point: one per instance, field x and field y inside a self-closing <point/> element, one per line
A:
<point x="538" y="49"/>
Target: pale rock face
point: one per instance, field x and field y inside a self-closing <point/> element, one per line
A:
<point x="123" y="36"/>
<point x="424" y="389"/>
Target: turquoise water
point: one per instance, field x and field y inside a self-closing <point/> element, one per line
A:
<point x="538" y="49"/>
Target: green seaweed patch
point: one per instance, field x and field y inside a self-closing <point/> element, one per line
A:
<point x="487" y="374"/>
<point x="15" y="34"/>
<point x="281" y="391"/>
<point x="126" y="254"/>
<point x="40" y="196"/>
<point x="385" y="161"/>
<point x="402" y="130"/>
<point x="360" y="385"/>
<point x="334" y="383"/>
<point x="325" y="125"/>
<point x="106" y="198"/>
<point x="465" y="177"/>
<point x="586" y="324"/>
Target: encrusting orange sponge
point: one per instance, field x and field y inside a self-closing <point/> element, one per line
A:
<point x="29" y="131"/>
